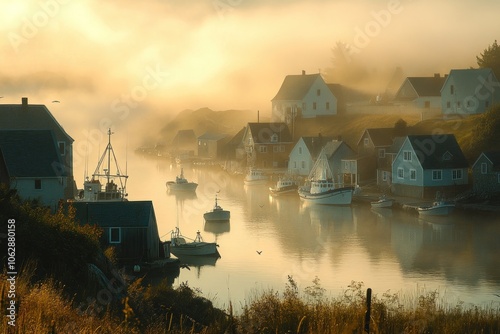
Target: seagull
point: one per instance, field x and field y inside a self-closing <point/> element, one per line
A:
<point x="218" y="191"/>
<point x="185" y="266"/>
<point x="261" y="205"/>
<point x="258" y="252"/>
<point x="56" y="101"/>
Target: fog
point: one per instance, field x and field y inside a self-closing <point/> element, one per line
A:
<point x="129" y="64"/>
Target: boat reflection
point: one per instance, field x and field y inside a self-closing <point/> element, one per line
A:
<point x="217" y="228"/>
<point x="191" y="262"/>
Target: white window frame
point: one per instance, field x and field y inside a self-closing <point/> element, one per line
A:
<point x="384" y="175"/>
<point x="439" y="173"/>
<point x="401" y="173"/>
<point x="457" y="174"/>
<point x="366" y="142"/>
<point x="274" y="138"/>
<point x="413" y="174"/>
<point x="111" y="241"/>
<point x="407" y="155"/>
<point x="262" y="149"/>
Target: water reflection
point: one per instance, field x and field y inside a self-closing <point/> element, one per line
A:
<point x="217" y="228"/>
<point x="196" y="263"/>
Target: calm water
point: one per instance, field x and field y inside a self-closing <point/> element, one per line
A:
<point x="458" y="256"/>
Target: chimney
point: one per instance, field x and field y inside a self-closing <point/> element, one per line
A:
<point x="303" y="72"/>
<point x="24" y="101"/>
<point x="436" y="75"/>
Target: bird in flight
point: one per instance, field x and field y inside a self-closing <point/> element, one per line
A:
<point x="56" y="101"/>
<point x="258" y="252"/>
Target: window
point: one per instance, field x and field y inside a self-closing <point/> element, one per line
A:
<point x="456" y="174"/>
<point x="38" y="184"/>
<point x="366" y="142"/>
<point x="263" y="149"/>
<point x="274" y="138"/>
<point x="199" y="142"/>
<point x="115" y="235"/>
<point x="413" y="174"/>
<point x="458" y="104"/>
<point x="437" y="175"/>
<point x="314" y="105"/>
<point x="381" y="153"/>
<point x="498" y="177"/>
<point x="328" y="106"/>
<point x="346" y="165"/>
<point x="407" y="155"/>
<point x="401" y="173"/>
<point x="62" y="147"/>
<point x="318" y="92"/>
<point x="484" y="168"/>
<point x="447" y="156"/>
<point x="300" y="150"/>
<point x="303" y="164"/>
<point x="452" y="89"/>
<point x="384" y="176"/>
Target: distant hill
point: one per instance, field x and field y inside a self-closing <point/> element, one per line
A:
<point x="207" y="120"/>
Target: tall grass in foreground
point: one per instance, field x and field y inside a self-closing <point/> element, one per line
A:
<point x="161" y="309"/>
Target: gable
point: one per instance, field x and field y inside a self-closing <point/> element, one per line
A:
<point x="295" y="87"/>
<point x="379" y="136"/>
<point x="466" y="81"/>
<point x="30" y="153"/>
<point x="265" y="133"/>
<point x="438" y="152"/>
<point x="493" y="157"/>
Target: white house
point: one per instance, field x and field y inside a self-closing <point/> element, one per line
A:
<point x="304" y="153"/>
<point x="303" y="96"/>
<point x="27" y="116"/>
<point x="469" y="91"/>
<point x="421" y="92"/>
<point x="29" y="163"/>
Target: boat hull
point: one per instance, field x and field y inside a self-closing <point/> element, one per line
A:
<point x="173" y="186"/>
<point x="439" y="210"/>
<point x="195" y="249"/>
<point x="339" y="196"/>
<point x="382" y="203"/>
<point x="284" y="190"/>
<point x="222" y="215"/>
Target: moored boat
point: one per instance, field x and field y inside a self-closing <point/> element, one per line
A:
<point x="217" y="213"/>
<point x="284" y="185"/>
<point x="438" y="208"/>
<point x="383" y="202"/>
<point x="322" y="189"/>
<point x="181" y="183"/>
<point x="255" y="177"/>
<point x="197" y="247"/>
<point x="102" y="185"/>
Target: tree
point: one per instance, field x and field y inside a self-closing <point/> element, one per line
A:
<point x="400" y="128"/>
<point x="490" y="58"/>
<point x="346" y="67"/>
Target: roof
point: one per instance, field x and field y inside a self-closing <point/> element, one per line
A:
<point x="493" y="157"/>
<point x="262" y="132"/>
<point x="183" y="137"/>
<point x="315" y="144"/>
<point x="30" y="153"/>
<point x="396" y="145"/>
<point x="212" y="136"/>
<point x="332" y="146"/>
<point x="114" y="214"/>
<point x="295" y="87"/>
<point x="380" y="136"/>
<point x="468" y="79"/>
<point x="30" y="117"/>
<point x="425" y="86"/>
<point x="431" y="150"/>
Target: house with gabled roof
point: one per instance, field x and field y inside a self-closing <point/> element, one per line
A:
<point x="421" y="92"/>
<point x="303" y="96"/>
<point x="267" y="145"/>
<point x="486" y="174"/>
<point x="27" y="116"/>
<point x="304" y="153"/>
<point x="469" y="91"/>
<point x="30" y="163"/>
<point x="128" y="226"/>
<point x="211" y="145"/>
<point x="429" y="165"/>
<point x="384" y="168"/>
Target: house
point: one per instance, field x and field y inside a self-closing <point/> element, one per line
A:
<point x="469" y="91"/>
<point x="128" y="226"/>
<point x="428" y="165"/>
<point x="267" y="145"/>
<point x="486" y="174"/>
<point x="336" y="151"/>
<point x="384" y="168"/>
<point x="304" y="153"/>
<point x="211" y="146"/>
<point x="421" y="92"/>
<point x="303" y="96"/>
<point x="27" y="116"/>
<point x="184" y="144"/>
<point x="30" y="163"/>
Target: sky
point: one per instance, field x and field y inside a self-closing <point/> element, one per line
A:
<point x="127" y="64"/>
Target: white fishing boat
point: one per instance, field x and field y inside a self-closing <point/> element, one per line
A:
<point x="255" y="177"/>
<point x="438" y="208"/>
<point x="181" y="184"/>
<point x="383" y="202"/>
<point x="217" y="213"/>
<point x="321" y="188"/>
<point x="284" y="185"/>
<point x="105" y="185"/>
<point x="197" y="247"/>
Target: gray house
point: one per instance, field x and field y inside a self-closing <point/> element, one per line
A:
<point x="427" y="165"/>
<point x="469" y="91"/>
<point x="486" y="174"/>
<point x="304" y="153"/>
<point x="26" y="116"/>
<point x="421" y="92"/>
<point x="29" y="163"/>
<point x="211" y="146"/>
<point x="128" y="226"/>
